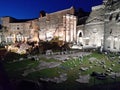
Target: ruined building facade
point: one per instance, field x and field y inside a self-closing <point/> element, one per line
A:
<point x="101" y="28"/>
<point x="14" y="31"/>
<point x="112" y="25"/>
<point x="92" y="34"/>
<point x="60" y="24"/>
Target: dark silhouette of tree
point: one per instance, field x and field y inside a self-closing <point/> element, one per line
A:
<point x="79" y="12"/>
<point x="4" y="80"/>
<point x="0" y="26"/>
<point x="42" y="13"/>
<point x="81" y="15"/>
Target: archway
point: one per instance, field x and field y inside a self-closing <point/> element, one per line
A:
<point x="80" y="37"/>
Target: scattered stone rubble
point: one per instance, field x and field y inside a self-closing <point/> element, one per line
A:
<point x="60" y="79"/>
<point x="41" y="66"/>
<point x="83" y="79"/>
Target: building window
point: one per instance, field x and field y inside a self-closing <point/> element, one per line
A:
<point x="117" y="16"/>
<point x="111" y="16"/>
<point x="110" y="31"/>
<point x="18" y="28"/>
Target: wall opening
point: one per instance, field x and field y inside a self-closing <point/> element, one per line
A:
<point x="80" y="34"/>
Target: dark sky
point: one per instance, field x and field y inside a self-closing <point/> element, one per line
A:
<point x="24" y="9"/>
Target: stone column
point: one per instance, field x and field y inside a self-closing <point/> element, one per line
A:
<point x="64" y="26"/>
<point x="25" y="39"/>
<point x="0" y="39"/>
<point x="14" y="38"/>
<point x="74" y="29"/>
<point x="6" y="39"/>
<point x="67" y="28"/>
<point x="71" y="28"/>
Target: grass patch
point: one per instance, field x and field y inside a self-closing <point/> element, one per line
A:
<point x="72" y="67"/>
<point x="48" y="60"/>
<point x="15" y="69"/>
<point x="45" y="73"/>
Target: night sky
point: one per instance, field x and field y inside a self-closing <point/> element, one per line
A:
<point x="26" y="9"/>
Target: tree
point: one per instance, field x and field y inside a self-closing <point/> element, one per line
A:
<point x="42" y="13"/>
<point x="0" y="26"/>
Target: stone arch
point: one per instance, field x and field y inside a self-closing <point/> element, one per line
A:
<point x="80" y="33"/>
<point x="80" y="37"/>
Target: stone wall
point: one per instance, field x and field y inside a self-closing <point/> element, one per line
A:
<point x="61" y="24"/>
<point x="94" y="27"/>
<point x="112" y="27"/>
<point x="94" y="35"/>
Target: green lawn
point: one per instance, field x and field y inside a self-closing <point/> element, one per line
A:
<point x="45" y="73"/>
<point x="71" y="67"/>
<point x="15" y="69"/>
